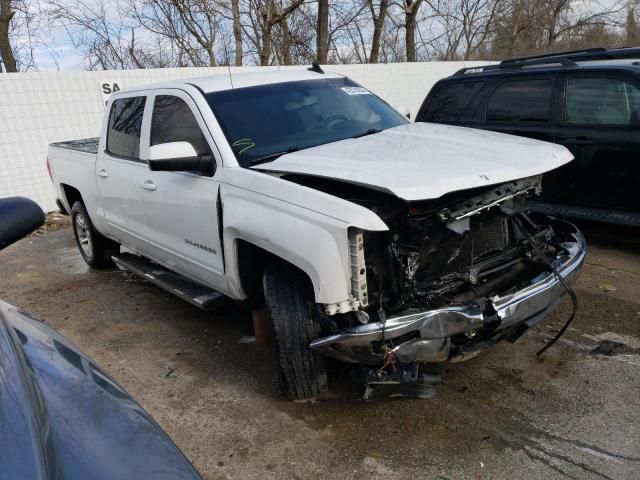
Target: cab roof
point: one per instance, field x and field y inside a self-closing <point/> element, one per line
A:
<point x="225" y="81"/>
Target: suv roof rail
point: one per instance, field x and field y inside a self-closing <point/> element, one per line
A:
<point x="566" y="59"/>
<point x="516" y="64"/>
<point x="585" y="54"/>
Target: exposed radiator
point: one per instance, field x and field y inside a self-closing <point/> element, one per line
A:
<point x="451" y="252"/>
<point x="489" y="233"/>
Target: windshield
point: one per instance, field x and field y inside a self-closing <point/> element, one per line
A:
<point x="266" y="121"/>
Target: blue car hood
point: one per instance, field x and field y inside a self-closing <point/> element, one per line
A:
<point x="62" y="417"/>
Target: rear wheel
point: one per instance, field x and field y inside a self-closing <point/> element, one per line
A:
<point x="296" y="322"/>
<point x="95" y="248"/>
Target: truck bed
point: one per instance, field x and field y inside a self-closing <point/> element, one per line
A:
<point x="72" y="165"/>
<point x="86" y="145"/>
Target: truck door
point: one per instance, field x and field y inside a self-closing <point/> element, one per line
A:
<point x="182" y="207"/>
<point x="119" y="171"/>
<point x="601" y="127"/>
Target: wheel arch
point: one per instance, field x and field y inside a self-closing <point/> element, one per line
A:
<point x="250" y="262"/>
<point x="71" y="195"/>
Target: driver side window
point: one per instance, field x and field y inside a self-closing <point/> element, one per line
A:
<point x="173" y="121"/>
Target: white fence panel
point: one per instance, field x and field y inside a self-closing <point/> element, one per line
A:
<point x="38" y="108"/>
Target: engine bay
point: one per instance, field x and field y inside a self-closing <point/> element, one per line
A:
<point x="439" y="254"/>
<point x="463" y="246"/>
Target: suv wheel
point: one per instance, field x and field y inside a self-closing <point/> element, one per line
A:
<point x="95" y="248"/>
<point x="295" y="320"/>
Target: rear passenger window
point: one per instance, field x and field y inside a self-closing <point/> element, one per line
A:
<point x="449" y="102"/>
<point x="521" y="101"/>
<point x="600" y="101"/>
<point x="125" y="123"/>
<point x="173" y="121"/>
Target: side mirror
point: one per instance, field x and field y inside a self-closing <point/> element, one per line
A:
<point x="403" y="110"/>
<point x="19" y="217"/>
<point x="634" y="120"/>
<point x="178" y="157"/>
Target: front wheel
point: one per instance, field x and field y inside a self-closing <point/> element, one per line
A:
<point x="95" y="248"/>
<point x="295" y="319"/>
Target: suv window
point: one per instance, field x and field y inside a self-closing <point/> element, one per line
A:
<point x="449" y="102"/>
<point x="524" y="100"/>
<point x="125" y="124"/>
<point x="600" y="101"/>
<point x="173" y="121"/>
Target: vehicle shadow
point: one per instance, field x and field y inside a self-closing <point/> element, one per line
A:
<point x="619" y="237"/>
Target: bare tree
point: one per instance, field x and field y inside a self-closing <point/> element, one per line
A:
<point x="206" y="30"/>
<point x="526" y="27"/>
<point x="272" y="14"/>
<point x="147" y="33"/>
<point x="302" y="41"/>
<point x="200" y="18"/>
<point x="193" y="25"/>
<point x="464" y="26"/>
<point x="632" y="32"/>
<point x="102" y="31"/>
<point x="6" y="51"/>
<point x="349" y="44"/>
<point x="237" y="31"/>
<point x="393" y="43"/>
<point x="322" y="37"/>
<point x="356" y="30"/>
<point x="378" y="16"/>
<point x="162" y="20"/>
<point x="19" y="35"/>
<point x="411" y="9"/>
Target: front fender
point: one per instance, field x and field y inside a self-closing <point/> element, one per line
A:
<point x="305" y="227"/>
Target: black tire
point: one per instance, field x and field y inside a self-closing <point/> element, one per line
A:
<point x="295" y="319"/>
<point x="95" y="248"/>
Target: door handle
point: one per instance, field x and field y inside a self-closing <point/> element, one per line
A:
<point x="579" y="141"/>
<point x="102" y="173"/>
<point x="148" y="185"/>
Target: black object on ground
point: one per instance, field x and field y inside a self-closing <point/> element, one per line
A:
<point x="404" y="382"/>
<point x="606" y="347"/>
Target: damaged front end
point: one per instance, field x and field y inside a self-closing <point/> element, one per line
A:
<point x="452" y="276"/>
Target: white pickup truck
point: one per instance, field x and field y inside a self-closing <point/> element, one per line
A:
<point x="368" y="239"/>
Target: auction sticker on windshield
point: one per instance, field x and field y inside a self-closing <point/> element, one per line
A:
<point x="356" y="91"/>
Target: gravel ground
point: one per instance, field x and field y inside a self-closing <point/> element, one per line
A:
<point x="502" y="415"/>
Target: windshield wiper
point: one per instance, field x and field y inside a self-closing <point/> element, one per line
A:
<point x="272" y="156"/>
<point x="371" y="131"/>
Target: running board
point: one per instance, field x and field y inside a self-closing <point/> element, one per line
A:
<point x="586" y="213"/>
<point x="202" y="297"/>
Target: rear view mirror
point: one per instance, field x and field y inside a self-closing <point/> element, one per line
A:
<point x="178" y="157"/>
<point x="19" y="217"/>
<point x="634" y="120"/>
<point x="403" y="110"/>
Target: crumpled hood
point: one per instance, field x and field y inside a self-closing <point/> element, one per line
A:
<point x="422" y="161"/>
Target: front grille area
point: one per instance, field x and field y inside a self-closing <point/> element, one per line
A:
<point x="449" y="256"/>
<point x="449" y="252"/>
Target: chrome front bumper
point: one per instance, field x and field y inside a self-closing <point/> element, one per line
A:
<point x="429" y="332"/>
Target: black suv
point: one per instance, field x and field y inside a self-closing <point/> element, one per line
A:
<point x="587" y="100"/>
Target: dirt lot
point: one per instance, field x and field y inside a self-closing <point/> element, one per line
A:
<point x="503" y="415"/>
